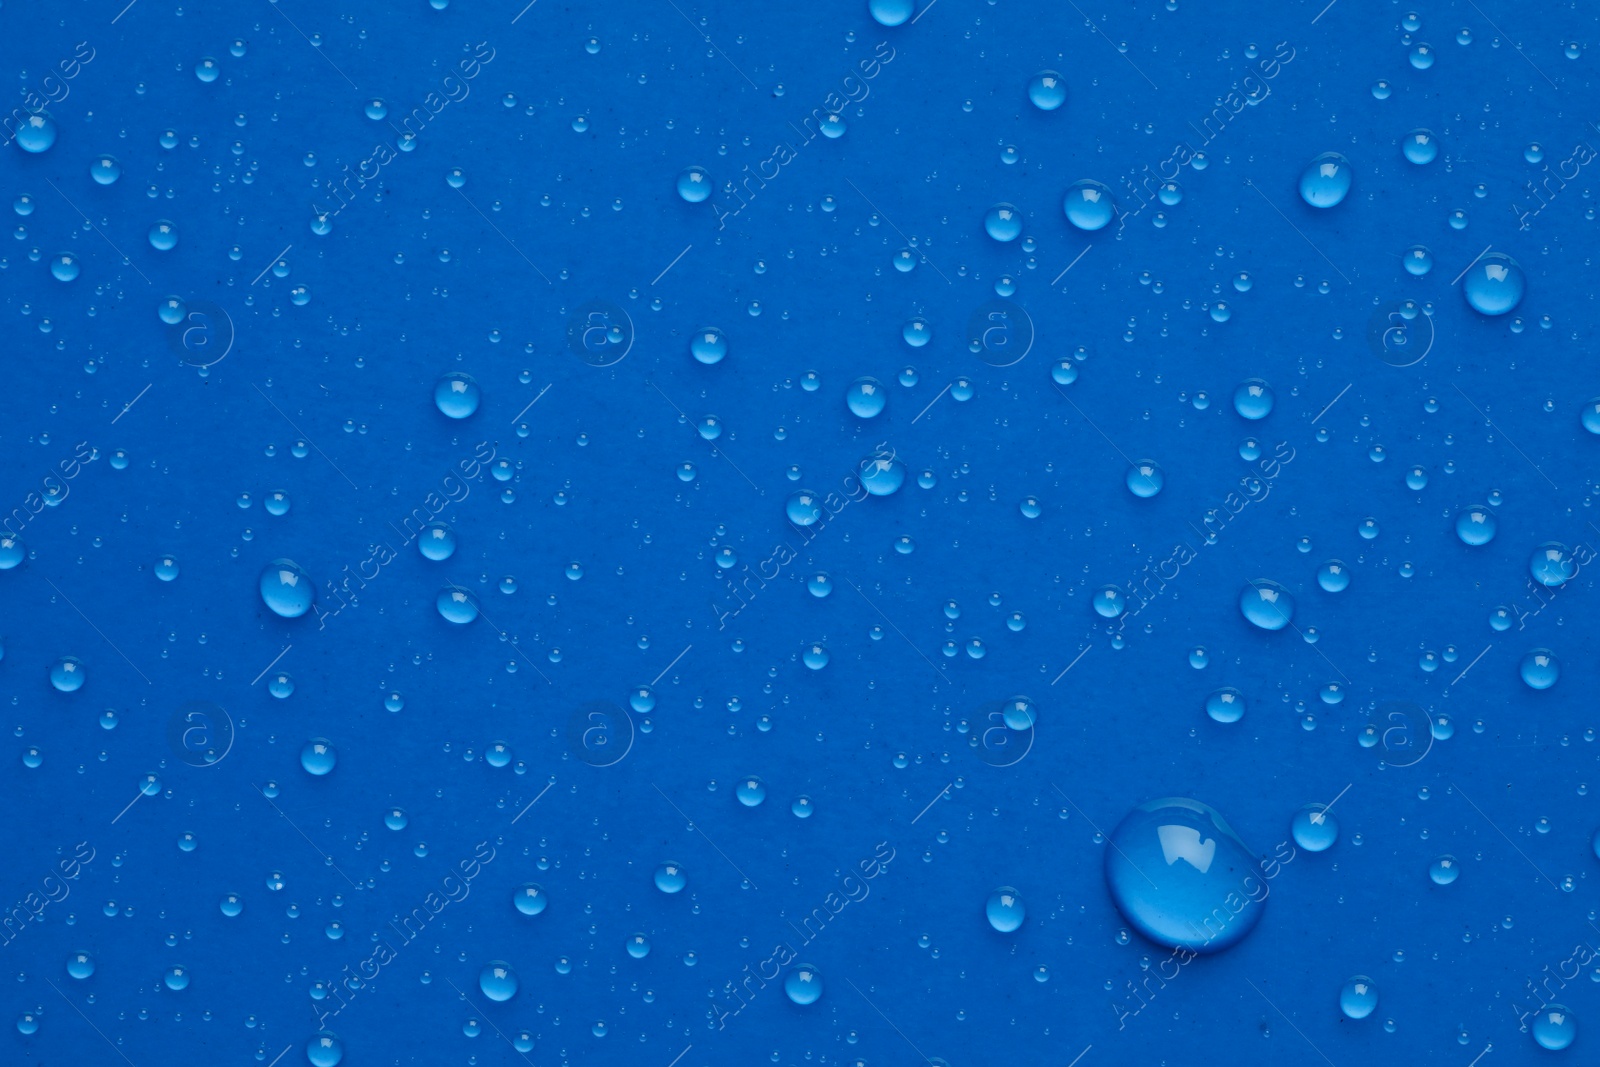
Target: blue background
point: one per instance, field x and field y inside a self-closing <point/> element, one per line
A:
<point x="891" y="739"/>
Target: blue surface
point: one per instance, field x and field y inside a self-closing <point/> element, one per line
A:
<point x="555" y="262"/>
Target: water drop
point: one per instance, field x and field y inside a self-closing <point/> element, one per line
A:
<point x="1177" y="870"/>
<point x="286" y="588"/>
<point x="694" y="184"/>
<point x="1088" y="205"/>
<point x="1005" y="910"/>
<point x="318" y="756"/>
<point x="1420" y="147"/>
<point x="1047" y="90"/>
<point x="498" y="981"/>
<point x="1359" y="997"/>
<point x="1266" y="604"/>
<point x="1494" y="285"/>
<point x="456" y="395"/>
<point x="1326" y="180"/>
<point x="1225" y="705"/>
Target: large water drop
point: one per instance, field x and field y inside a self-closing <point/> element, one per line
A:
<point x="1266" y="604"/>
<point x="1088" y="205"/>
<point x="1494" y="285"/>
<point x="286" y="588"/>
<point x="1326" y="180"/>
<point x="1182" y="877"/>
